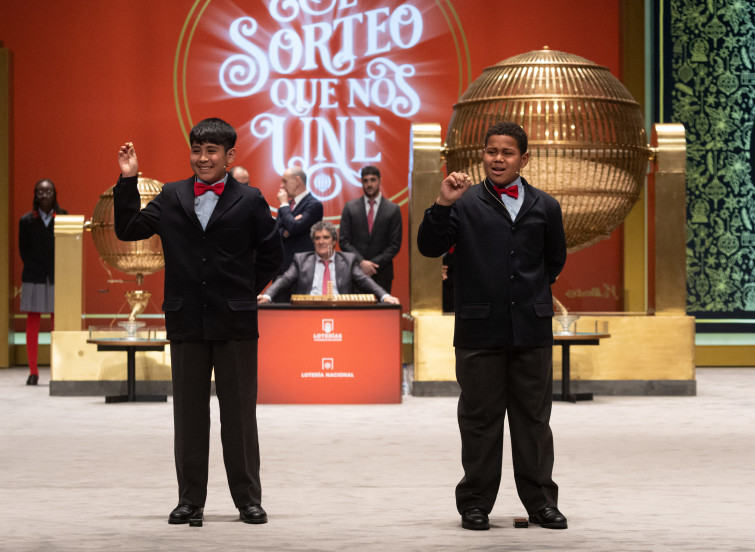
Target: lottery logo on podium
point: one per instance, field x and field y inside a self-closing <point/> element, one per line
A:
<point x="327" y="333"/>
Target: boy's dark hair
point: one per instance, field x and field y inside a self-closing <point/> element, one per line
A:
<point x="508" y="128"/>
<point x="370" y="169"/>
<point x="57" y="209"/>
<point x="213" y="131"/>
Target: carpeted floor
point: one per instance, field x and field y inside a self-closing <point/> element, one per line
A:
<point x="635" y="474"/>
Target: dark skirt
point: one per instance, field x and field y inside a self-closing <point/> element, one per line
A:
<point x="37" y="297"/>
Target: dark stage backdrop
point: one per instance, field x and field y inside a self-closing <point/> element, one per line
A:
<point x="708" y="84"/>
<point x="333" y="85"/>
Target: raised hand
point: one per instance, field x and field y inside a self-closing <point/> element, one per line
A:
<point x="283" y="196"/>
<point x="453" y="187"/>
<point x="127" y="160"/>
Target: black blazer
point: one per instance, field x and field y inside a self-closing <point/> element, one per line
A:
<point x="296" y="233"/>
<point x="212" y="276"/>
<point x="382" y="244"/>
<point x="503" y="269"/>
<point x="36" y="244"/>
<point x="299" y="276"/>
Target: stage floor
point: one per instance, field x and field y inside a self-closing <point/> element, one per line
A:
<point x="635" y="474"/>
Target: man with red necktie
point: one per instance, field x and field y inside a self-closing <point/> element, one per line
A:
<point x="371" y="229"/>
<point x="297" y="212"/>
<point x="509" y="248"/>
<point x="324" y="271"/>
<point x="221" y="250"/>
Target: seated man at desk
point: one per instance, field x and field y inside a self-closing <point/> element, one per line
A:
<point x="325" y="271"/>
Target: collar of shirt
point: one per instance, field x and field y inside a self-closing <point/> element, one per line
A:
<point x="224" y="180"/>
<point x="511" y="204"/>
<point x="326" y="259"/>
<point x="204" y="204"/>
<point x="377" y="201"/>
<point x="46" y="217"/>
<point x="298" y="198"/>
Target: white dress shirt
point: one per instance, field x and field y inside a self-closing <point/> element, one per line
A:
<point x="46" y="217"/>
<point x="320" y="272"/>
<point x="297" y="199"/>
<point x="374" y="207"/>
<point x="204" y="205"/>
<point x="513" y="205"/>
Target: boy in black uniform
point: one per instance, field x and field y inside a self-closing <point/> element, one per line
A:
<point x="221" y="250"/>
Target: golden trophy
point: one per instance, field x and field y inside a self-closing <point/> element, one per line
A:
<point x="138" y="301"/>
<point x="137" y="258"/>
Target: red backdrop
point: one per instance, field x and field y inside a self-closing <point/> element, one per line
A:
<point x="89" y="76"/>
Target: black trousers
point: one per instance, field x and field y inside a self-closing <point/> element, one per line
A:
<point x="493" y="382"/>
<point x="235" y="365"/>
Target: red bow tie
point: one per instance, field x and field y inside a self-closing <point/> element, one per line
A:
<point x="511" y="191"/>
<point x="200" y="188"/>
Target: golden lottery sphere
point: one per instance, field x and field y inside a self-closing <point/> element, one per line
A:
<point x="137" y="257"/>
<point x="587" y="138"/>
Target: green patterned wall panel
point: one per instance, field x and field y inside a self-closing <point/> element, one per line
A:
<point x="709" y="86"/>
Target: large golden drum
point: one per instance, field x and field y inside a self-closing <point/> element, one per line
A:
<point x="138" y="257"/>
<point x="586" y="133"/>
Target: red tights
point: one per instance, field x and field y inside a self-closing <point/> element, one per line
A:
<point x="32" y="339"/>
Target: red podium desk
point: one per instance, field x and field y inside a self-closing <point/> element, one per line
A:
<point x="329" y="354"/>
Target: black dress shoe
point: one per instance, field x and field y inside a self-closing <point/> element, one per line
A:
<point x="252" y="513"/>
<point x="550" y="518"/>
<point x="32" y="379"/>
<point x="475" y="519"/>
<point x="183" y="513"/>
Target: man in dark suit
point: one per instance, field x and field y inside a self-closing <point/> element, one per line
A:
<point x="221" y="249"/>
<point x="298" y="211"/>
<point x="371" y="229"/>
<point x="324" y="271"/>
<point x="509" y="249"/>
